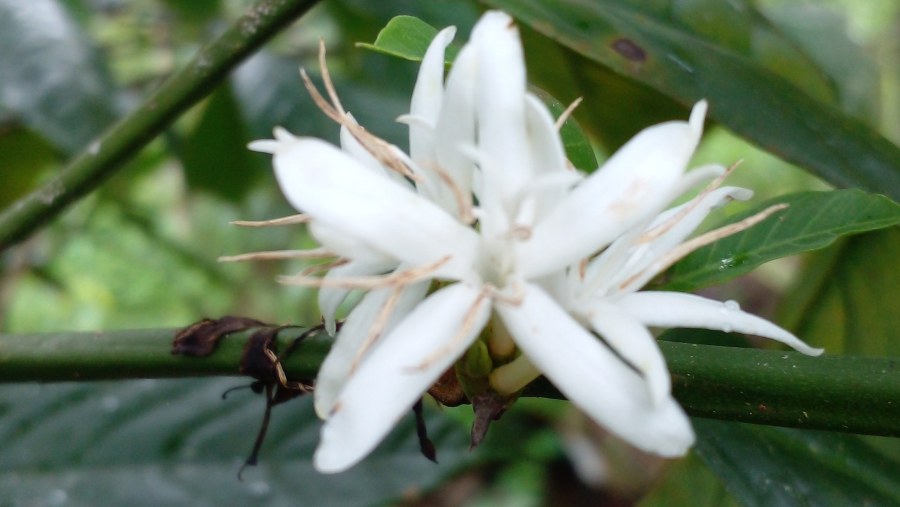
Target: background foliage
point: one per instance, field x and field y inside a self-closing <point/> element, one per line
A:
<point x="808" y="83"/>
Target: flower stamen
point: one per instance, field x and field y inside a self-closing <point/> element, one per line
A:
<point x="272" y="255"/>
<point x="463" y="199"/>
<point x="395" y="279"/>
<point x="668" y="224"/>
<point x="464" y="330"/>
<point x="383" y="151"/>
<point x="289" y="220"/>
<point x="686" y="248"/>
<point x="567" y="113"/>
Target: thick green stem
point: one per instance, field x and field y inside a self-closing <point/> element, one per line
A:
<point x="840" y="393"/>
<point x="103" y="157"/>
<point x="143" y="353"/>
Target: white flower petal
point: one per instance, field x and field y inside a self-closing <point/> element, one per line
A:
<point x="696" y="176"/>
<point x="500" y="92"/>
<point x="347" y="199"/>
<point x="634" y="185"/>
<point x="548" y="157"/>
<point x="352" y="147"/>
<point x="593" y="378"/>
<point x="544" y="142"/>
<point x="676" y="309"/>
<point x="330" y="298"/>
<point x="346" y="246"/>
<point x="337" y="366"/>
<point x="427" y="97"/>
<point x="332" y="373"/>
<point x="630" y="254"/>
<point x="397" y="373"/>
<point x="456" y="124"/>
<point x="631" y="340"/>
<point x="272" y="145"/>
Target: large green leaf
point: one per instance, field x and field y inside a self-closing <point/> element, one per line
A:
<point x="215" y="154"/>
<point x="775" y="109"/>
<point x="765" y="466"/>
<point x="50" y="76"/>
<point x="25" y="155"/>
<point x="848" y="298"/>
<point x="821" y="30"/>
<point x="813" y="220"/>
<point x="178" y="443"/>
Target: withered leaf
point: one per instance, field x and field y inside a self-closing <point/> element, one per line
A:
<point x="426" y="446"/>
<point x="488" y="407"/>
<point x="447" y="390"/>
<point x="200" y="338"/>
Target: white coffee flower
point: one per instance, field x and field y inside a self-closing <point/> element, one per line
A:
<point x="470" y="238"/>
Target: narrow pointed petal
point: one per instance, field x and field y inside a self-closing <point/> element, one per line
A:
<point x="500" y="92"/>
<point x="544" y="142"/>
<point x="593" y="378"/>
<point x="330" y="298"/>
<point x="548" y="157"/>
<point x="338" y="365"/>
<point x="693" y="212"/>
<point x="631" y="339"/>
<point x="696" y="176"/>
<point x="456" y="123"/>
<point x="642" y="251"/>
<point x="349" y="200"/>
<point x="426" y="98"/>
<point x="395" y="375"/>
<point x="676" y="309"/>
<point x="634" y="185"/>
<point x="332" y="373"/>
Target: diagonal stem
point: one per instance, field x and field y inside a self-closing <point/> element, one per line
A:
<point x="106" y="155"/>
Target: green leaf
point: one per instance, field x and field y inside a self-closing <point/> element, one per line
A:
<point x="406" y="37"/>
<point x="178" y="443"/>
<point x="848" y="300"/>
<point x="25" y="157"/>
<point x="821" y="31"/>
<point x="215" y="154"/>
<point x="766" y="466"/>
<point x="51" y="76"/>
<point x="813" y="220"/>
<point x="643" y="42"/>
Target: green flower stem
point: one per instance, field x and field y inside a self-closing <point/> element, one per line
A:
<point x="143" y="353"/>
<point x="840" y="393"/>
<point x="123" y="140"/>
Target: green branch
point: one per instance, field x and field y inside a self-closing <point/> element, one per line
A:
<point x="840" y="393"/>
<point x="102" y="158"/>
